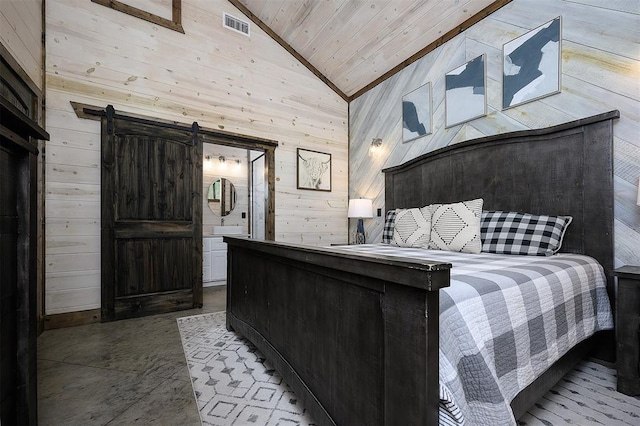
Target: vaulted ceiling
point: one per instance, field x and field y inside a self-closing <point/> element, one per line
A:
<point x="355" y="44"/>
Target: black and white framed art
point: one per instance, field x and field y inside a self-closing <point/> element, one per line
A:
<point x="416" y="113"/>
<point x="465" y="92"/>
<point x="531" y="65"/>
<point x="314" y="170"/>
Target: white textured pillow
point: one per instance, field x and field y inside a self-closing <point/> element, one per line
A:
<point x="456" y="227"/>
<point x="412" y="227"/>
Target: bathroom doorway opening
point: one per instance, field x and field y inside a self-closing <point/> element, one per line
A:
<point x="234" y="191"/>
<point x="253" y="160"/>
<point x="236" y="197"/>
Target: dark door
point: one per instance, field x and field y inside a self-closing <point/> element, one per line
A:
<point x="151" y="218"/>
<point x="8" y="284"/>
<point x="19" y="131"/>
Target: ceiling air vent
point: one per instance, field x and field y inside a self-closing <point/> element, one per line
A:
<point x="235" y="24"/>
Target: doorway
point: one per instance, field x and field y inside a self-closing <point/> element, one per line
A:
<point x="152" y="203"/>
<point x="228" y="190"/>
<point x="229" y="205"/>
<point x="262" y="151"/>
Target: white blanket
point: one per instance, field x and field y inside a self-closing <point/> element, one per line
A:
<point x="503" y="321"/>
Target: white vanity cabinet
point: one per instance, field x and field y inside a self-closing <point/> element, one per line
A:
<point x="214" y="261"/>
<point x="218" y="260"/>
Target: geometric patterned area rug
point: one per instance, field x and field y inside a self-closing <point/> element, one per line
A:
<point x="585" y="396"/>
<point x="232" y="382"/>
<point x="235" y="385"/>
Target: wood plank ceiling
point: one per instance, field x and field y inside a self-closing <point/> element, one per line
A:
<point x="356" y="44"/>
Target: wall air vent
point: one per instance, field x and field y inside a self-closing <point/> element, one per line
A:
<point x="235" y="24"/>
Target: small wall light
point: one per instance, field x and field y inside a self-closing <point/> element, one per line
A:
<point x="376" y="145"/>
<point x="207" y="162"/>
<point x="223" y="162"/>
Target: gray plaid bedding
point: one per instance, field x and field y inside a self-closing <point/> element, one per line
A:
<point x="503" y="321"/>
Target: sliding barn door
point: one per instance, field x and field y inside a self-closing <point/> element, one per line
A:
<point x="151" y="218"/>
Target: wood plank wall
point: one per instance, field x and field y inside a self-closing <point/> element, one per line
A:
<point x="600" y="72"/>
<point x="212" y="75"/>
<point x="20" y="34"/>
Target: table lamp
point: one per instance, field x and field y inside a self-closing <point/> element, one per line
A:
<point x="360" y="208"/>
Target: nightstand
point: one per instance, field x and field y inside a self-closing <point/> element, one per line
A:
<point x="628" y="329"/>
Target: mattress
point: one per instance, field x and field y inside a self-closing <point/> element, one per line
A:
<point x="503" y="321"/>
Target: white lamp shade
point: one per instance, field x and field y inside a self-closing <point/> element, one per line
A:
<point x="360" y="208"/>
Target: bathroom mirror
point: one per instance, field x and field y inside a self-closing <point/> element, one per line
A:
<point x="221" y="196"/>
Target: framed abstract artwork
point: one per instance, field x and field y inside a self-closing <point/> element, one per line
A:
<point x="314" y="170"/>
<point x="531" y="65"/>
<point x="465" y="92"/>
<point x="416" y="113"/>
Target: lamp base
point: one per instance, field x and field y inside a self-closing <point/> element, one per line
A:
<point x="360" y="238"/>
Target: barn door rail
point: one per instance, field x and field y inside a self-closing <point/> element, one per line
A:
<point x="92" y="112"/>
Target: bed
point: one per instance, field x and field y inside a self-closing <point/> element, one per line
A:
<point x="356" y="334"/>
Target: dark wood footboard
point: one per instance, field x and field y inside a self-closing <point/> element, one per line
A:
<point x="355" y="336"/>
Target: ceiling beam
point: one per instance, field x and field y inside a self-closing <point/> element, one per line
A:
<point x="416" y="56"/>
<point x="242" y="8"/>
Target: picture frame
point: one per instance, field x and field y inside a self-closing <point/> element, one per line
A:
<point x="417" y="113"/>
<point x="174" y="10"/>
<point x="531" y="65"/>
<point x="313" y="170"/>
<point x="465" y="97"/>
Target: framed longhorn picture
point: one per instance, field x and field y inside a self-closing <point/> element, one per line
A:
<point x="314" y="170"/>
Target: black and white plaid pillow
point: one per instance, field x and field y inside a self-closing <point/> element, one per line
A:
<point x="522" y="233"/>
<point x="389" y="221"/>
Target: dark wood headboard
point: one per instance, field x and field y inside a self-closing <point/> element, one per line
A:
<point x="560" y="170"/>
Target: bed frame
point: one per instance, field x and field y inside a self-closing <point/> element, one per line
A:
<point x="356" y="336"/>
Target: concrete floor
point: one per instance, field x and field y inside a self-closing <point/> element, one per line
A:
<point x="119" y="373"/>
